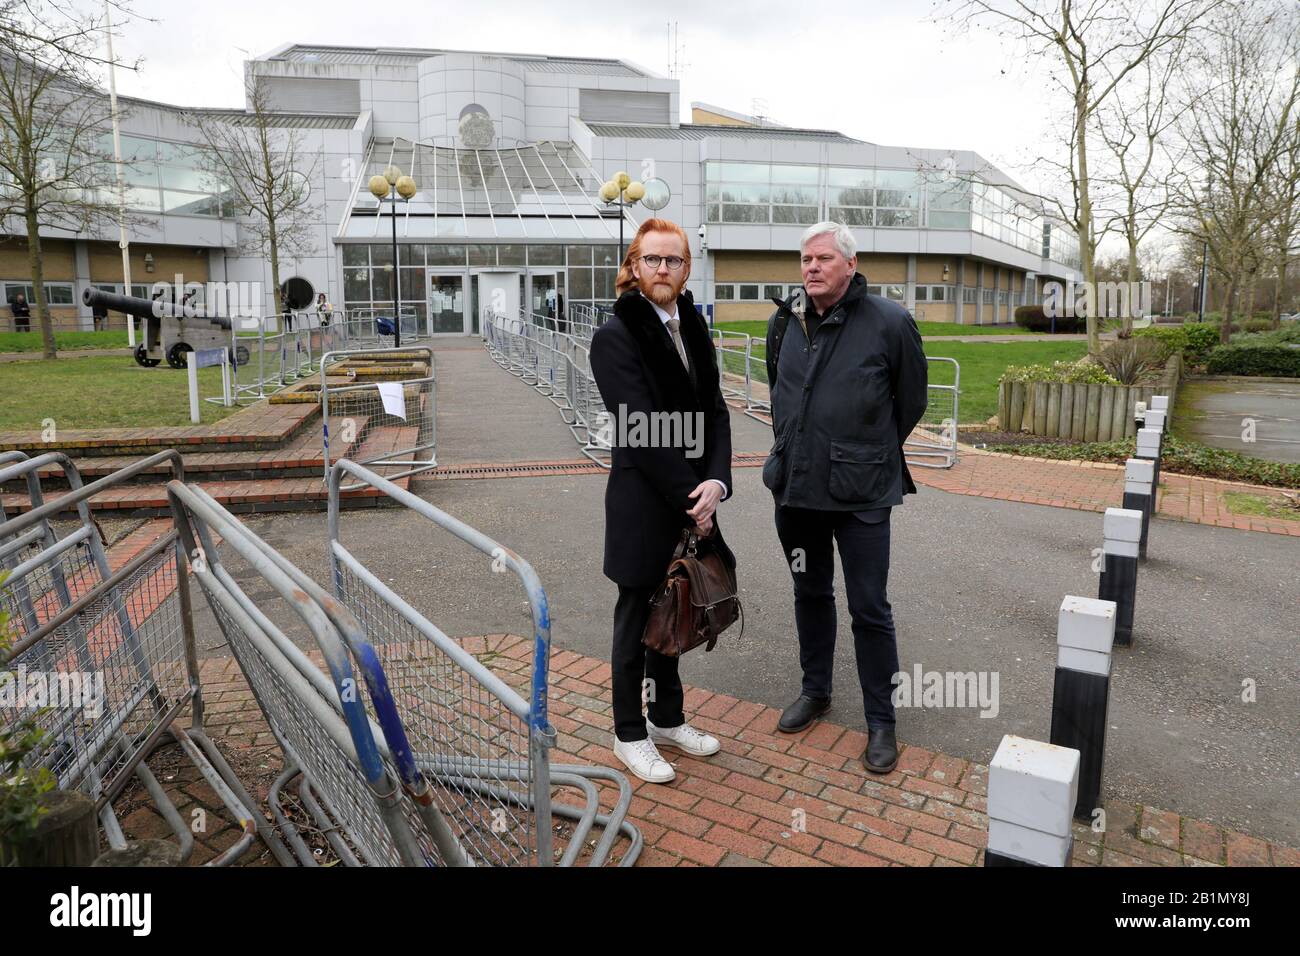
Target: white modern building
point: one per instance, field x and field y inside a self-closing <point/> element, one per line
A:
<point x="509" y="152"/>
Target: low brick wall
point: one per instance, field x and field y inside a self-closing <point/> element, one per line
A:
<point x="1082" y="413"/>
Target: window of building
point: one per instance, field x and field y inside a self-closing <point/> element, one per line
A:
<point x="56" y="293"/>
<point x="873" y="290"/>
<point x="724" y="292"/>
<point x="748" y="293"/>
<point x="895" y="292"/>
<point x="761" y="193"/>
<point x="770" y="291"/>
<point x="969" y="296"/>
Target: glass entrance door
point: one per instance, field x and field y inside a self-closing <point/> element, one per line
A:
<point x="544" y="298"/>
<point x="449" y="312"/>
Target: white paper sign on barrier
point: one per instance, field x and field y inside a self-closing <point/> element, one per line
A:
<point x="394" y="396"/>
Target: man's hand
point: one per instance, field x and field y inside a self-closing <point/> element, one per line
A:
<point x="704" y="527"/>
<point x="709" y="493"/>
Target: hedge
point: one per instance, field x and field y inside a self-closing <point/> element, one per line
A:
<point x="1254" y="360"/>
<point x="1033" y="318"/>
<point x="1194" y="340"/>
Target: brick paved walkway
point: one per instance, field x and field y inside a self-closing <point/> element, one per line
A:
<point x="767" y="798"/>
<point x="1096" y="486"/>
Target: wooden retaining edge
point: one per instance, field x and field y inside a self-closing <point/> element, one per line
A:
<point x="1082" y="412"/>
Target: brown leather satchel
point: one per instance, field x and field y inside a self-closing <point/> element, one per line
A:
<point x="696" y="602"/>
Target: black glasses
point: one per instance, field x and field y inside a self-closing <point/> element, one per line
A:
<point x="672" y="262"/>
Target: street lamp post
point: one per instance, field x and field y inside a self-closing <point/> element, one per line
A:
<point x="393" y="187"/>
<point x="624" y="192"/>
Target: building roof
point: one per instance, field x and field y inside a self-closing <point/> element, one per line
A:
<point x="542" y="191"/>
<point x="699" y="131"/>
<point x="404" y="56"/>
<point x="241" y="117"/>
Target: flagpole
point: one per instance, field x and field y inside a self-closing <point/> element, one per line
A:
<point x="122" y="241"/>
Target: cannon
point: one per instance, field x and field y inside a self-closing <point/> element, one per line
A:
<point x="169" y="331"/>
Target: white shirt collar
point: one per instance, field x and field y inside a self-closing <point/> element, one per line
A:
<point x="663" y="316"/>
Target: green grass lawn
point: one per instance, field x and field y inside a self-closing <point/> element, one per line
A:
<point x="982" y="364"/>
<point x="101" y="392"/>
<point x="69" y="341"/>
<point x="926" y="328"/>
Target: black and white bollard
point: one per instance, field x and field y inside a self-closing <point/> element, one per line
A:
<point x="1033" y="788"/>
<point x="1085" y="630"/>
<point x="1150" y="441"/>
<point x="1139" y="492"/>
<point x="1121" y="532"/>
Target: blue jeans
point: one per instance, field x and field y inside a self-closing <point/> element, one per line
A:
<point x="806" y="537"/>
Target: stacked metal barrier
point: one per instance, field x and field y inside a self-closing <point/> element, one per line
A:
<point x="483" y="748"/>
<point x="405" y="749"/>
<point x="127" y="635"/>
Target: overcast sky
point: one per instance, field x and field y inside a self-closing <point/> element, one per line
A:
<point x="875" y="70"/>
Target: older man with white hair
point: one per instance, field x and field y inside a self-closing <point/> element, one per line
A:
<point x="848" y="385"/>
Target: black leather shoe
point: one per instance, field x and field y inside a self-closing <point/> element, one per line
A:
<point x="881" y="755"/>
<point x="802" y="713"/>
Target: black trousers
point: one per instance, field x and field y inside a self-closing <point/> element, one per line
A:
<point x="632" y="662"/>
<point x="806" y="537"/>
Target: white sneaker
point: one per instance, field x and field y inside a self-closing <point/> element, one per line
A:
<point x="642" y="758"/>
<point x="684" y="738"/>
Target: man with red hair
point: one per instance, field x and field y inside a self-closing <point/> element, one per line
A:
<point x="655" y="358"/>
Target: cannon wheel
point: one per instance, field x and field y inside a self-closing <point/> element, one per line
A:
<point x="142" y="358"/>
<point x="176" y="355"/>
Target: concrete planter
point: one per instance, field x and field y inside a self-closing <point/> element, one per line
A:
<point x="1081" y="413"/>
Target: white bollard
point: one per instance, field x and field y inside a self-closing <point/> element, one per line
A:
<point x="1033" y="788"/>
<point x="1160" y="403"/>
<point x="1139" y="495"/>
<point x="1121" y="535"/>
<point x="1085" y="631"/>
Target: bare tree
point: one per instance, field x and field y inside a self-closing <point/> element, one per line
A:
<point x="1090" y="49"/>
<point x="55" y="171"/>
<point x="1133" y="126"/>
<point x="265" y="169"/>
<point x="1282" y="198"/>
<point x="1236" y="137"/>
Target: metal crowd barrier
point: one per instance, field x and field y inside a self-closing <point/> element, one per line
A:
<point x="482" y="747"/>
<point x="935" y="437"/>
<point x="359" y="416"/>
<point x="114" y="650"/>
<point x="559" y="366"/>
